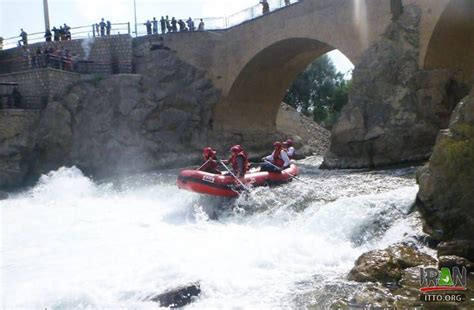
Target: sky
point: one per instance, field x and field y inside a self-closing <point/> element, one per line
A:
<point x="28" y="14"/>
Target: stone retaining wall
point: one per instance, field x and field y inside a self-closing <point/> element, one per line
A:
<point x="37" y="87"/>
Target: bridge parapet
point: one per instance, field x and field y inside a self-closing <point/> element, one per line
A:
<point x="110" y="54"/>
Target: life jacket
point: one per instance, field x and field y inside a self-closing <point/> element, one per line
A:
<point x="211" y="166"/>
<point x="233" y="160"/>
<point x="277" y="161"/>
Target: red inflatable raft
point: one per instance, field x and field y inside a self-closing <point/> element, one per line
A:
<point x="226" y="185"/>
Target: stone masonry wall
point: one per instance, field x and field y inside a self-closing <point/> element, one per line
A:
<point x="107" y="55"/>
<point x="37" y="87"/>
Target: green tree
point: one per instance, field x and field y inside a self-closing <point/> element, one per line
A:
<point x="319" y="91"/>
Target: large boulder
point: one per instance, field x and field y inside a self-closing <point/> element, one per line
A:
<point x="395" y="110"/>
<point x="446" y="195"/>
<point x="388" y="265"/>
<point x="178" y="297"/>
<point x="16" y="145"/>
<point x="312" y="138"/>
<point x="128" y="123"/>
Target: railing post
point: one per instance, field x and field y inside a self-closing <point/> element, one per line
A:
<point x="93" y="30"/>
<point x="128" y="24"/>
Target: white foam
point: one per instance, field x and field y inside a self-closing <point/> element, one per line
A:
<point x="70" y="243"/>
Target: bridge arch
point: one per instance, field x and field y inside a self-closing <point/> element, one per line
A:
<point x="254" y="97"/>
<point x="452" y="40"/>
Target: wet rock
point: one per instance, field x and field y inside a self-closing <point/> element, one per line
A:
<point x="127" y="123"/>
<point x="387" y="265"/>
<point x="3" y="195"/>
<point x="310" y="137"/>
<point x="178" y="297"/>
<point x="395" y="110"/>
<point x="446" y="195"/>
<point x="407" y="256"/>
<point x="451" y="261"/>
<point x="377" y="265"/>
<point x="463" y="248"/>
<point x="16" y="145"/>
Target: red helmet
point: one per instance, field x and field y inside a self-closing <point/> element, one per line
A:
<point x="289" y="142"/>
<point x="277" y="144"/>
<point x="208" y="152"/>
<point x="236" y="149"/>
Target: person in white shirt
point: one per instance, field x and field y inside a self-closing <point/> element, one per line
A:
<point x="288" y="144"/>
<point x="278" y="160"/>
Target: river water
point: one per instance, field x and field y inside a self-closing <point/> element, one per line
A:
<point x="72" y="243"/>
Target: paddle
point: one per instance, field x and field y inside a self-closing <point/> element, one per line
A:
<point x="231" y="173"/>
<point x="279" y="169"/>
<point x="204" y="164"/>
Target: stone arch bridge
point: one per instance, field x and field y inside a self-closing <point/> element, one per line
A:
<point x="254" y="63"/>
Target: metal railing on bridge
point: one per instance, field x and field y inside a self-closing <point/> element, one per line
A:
<point x="81" y="32"/>
<point x="221" y="23"/>
<point x="210" y="23"/>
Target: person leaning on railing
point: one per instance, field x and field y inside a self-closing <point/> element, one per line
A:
<point x="265" y="6"/>
<point x="48" y="35"/>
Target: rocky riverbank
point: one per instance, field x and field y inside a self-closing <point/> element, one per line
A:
<point x="391" y="278"/>
<point x="446" y="196"/>
<point x="311" y="138"/>
<point x="395" y="110"/>
<point x="445" y="202"/>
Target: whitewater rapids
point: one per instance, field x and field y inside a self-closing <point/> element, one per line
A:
<point x="72" y="243"/>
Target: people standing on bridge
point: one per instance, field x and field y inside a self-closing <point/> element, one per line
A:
<point x="182" y="26"/>
<point x="55" y="34"/>
<point x="47" y="35"/>
<point x="174" y="28"/>
<point x="277" y="161"/>
<point x="102" y="27"/>
<point x="155" y="25"/>
<point x="265" y="6"/>
<point x="201" y="25"/>
<point x="24" y="38"/>
<point x="190" y="24"/>
<point x="61" y="33"/>
<point x="108" y="27"/>
<point x="148" y="27"/>
<point x="163" y="25"/>
<point x="67" y="32"/>
<point x="168" y="25"/>
<point x="97" y="31"/>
